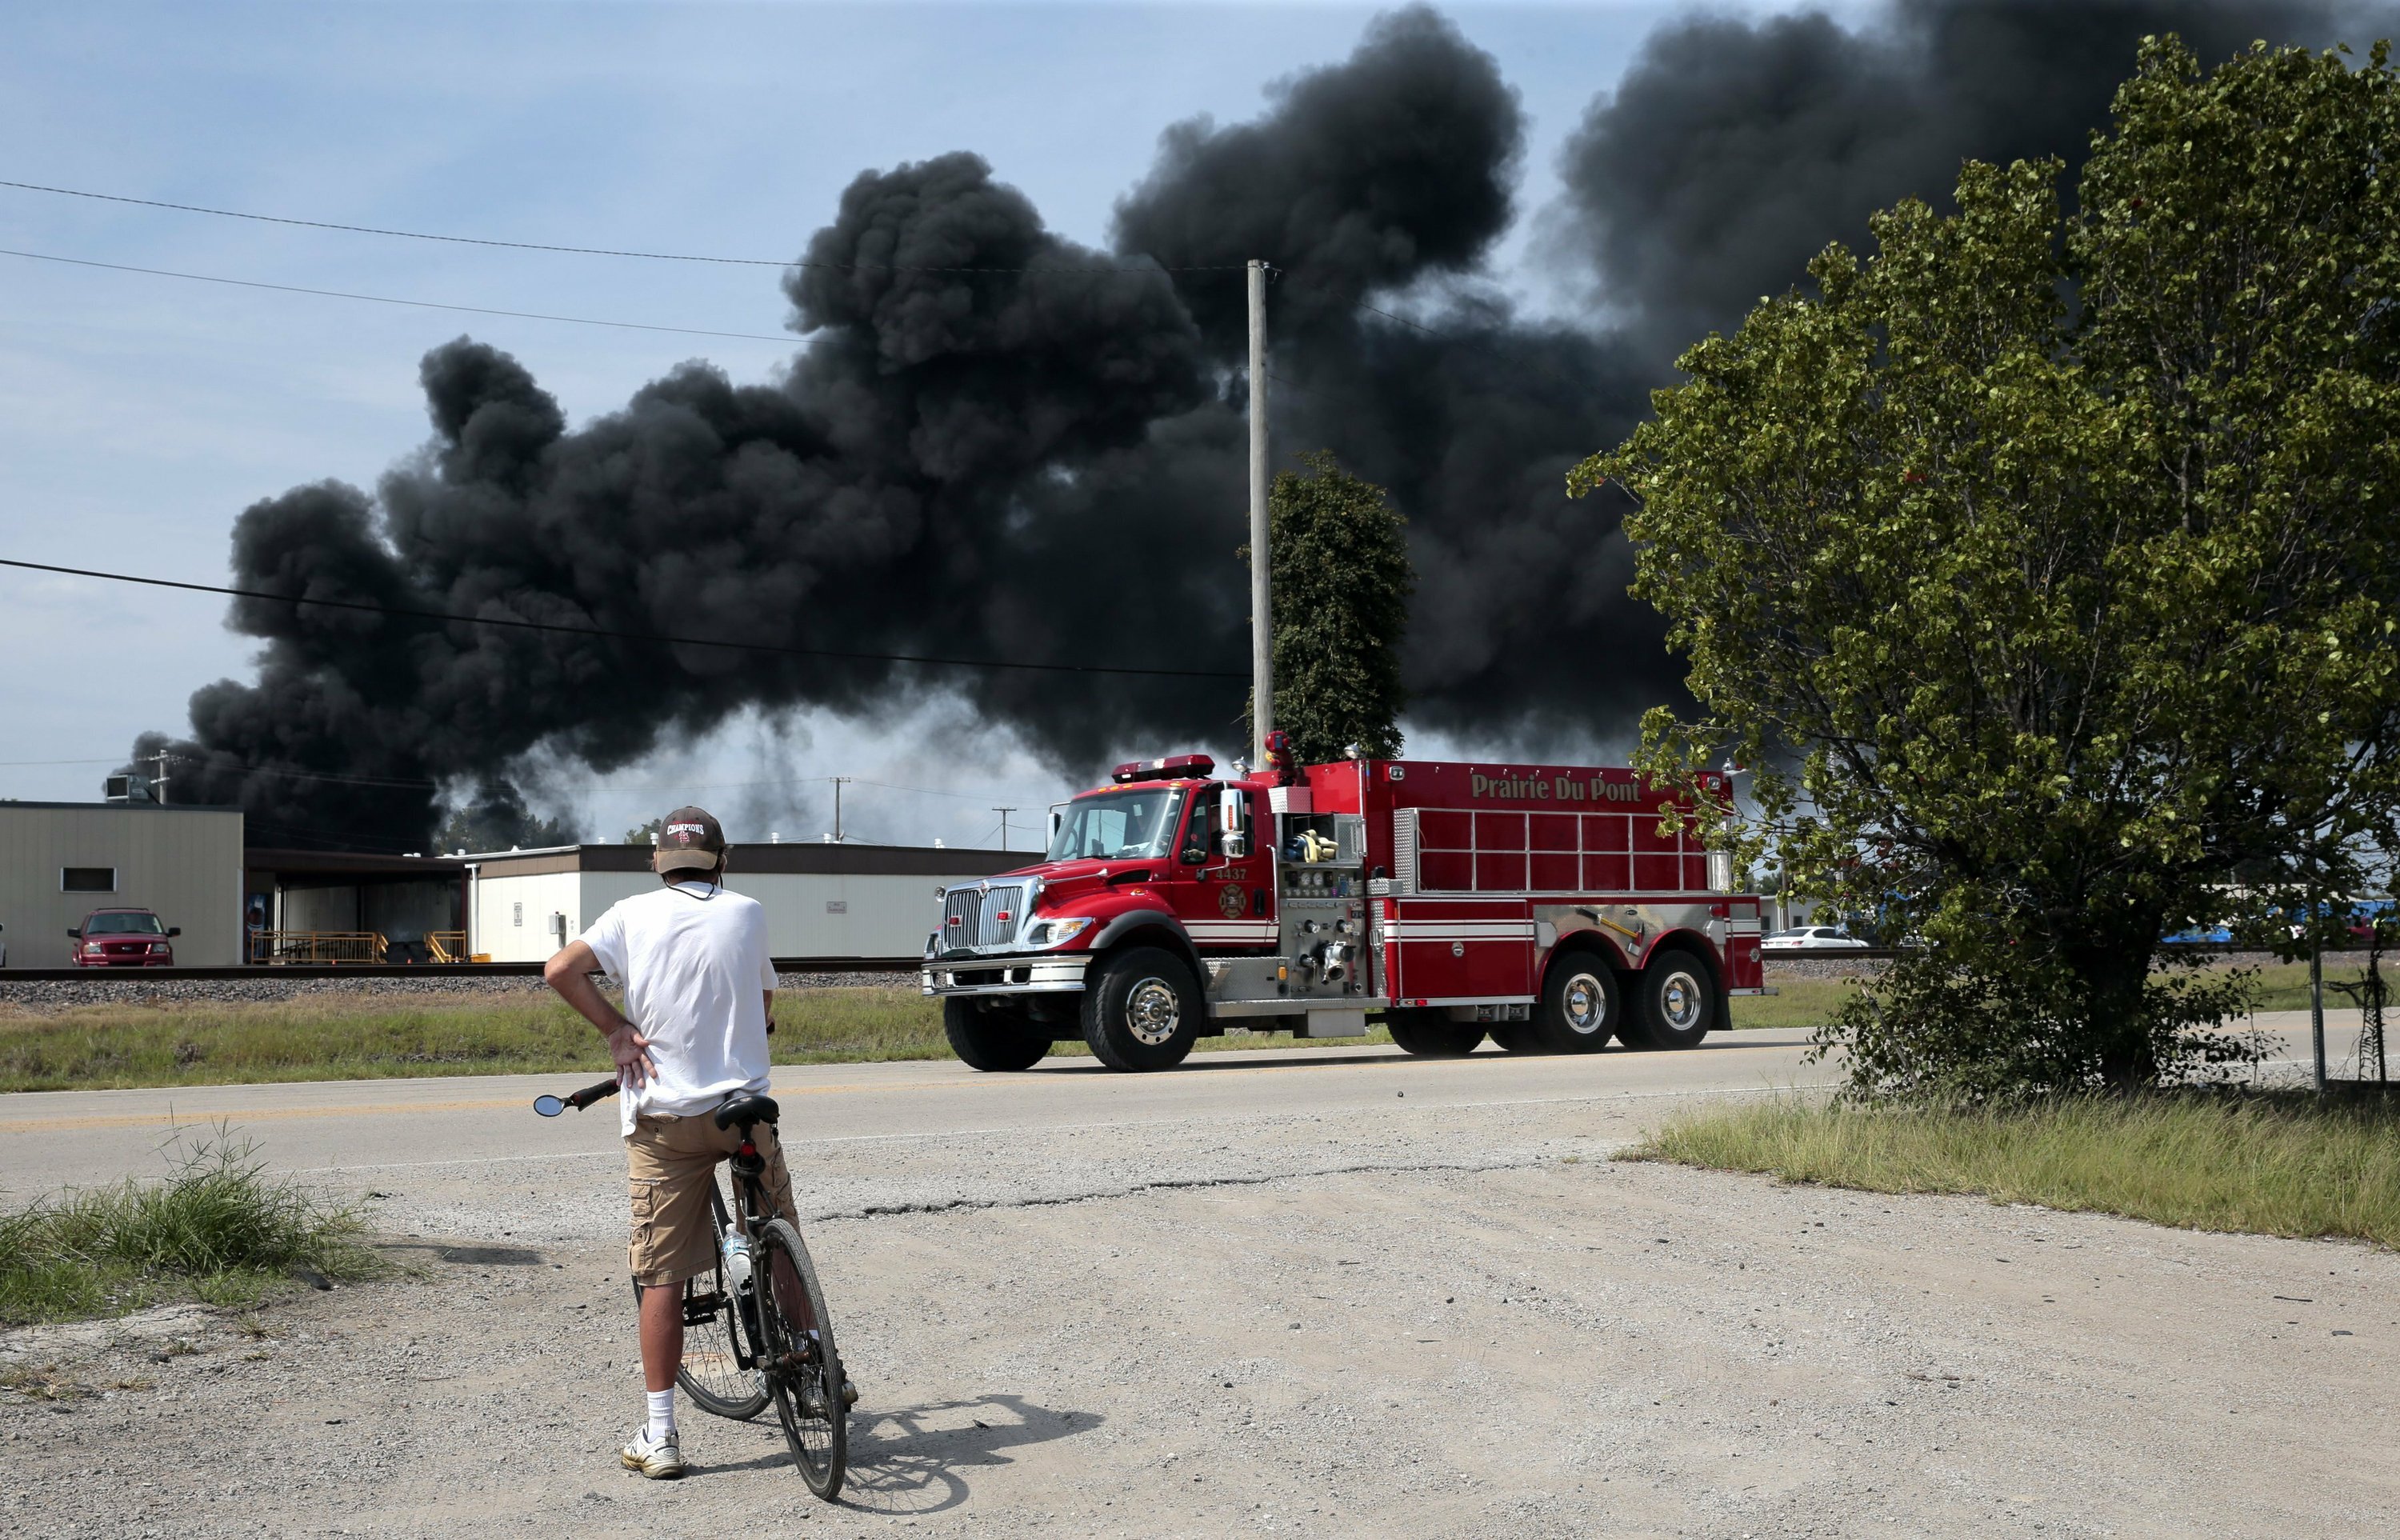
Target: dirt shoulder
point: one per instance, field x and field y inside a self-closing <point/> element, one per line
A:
<point x="1361" y="1327"/>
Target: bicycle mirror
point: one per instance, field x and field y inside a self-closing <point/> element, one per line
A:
<point x="549" y="1106"/>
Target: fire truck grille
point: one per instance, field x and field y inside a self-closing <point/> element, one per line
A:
<point x="981" y="919"/>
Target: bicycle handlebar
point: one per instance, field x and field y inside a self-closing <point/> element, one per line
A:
<point x="550" y="1106"/>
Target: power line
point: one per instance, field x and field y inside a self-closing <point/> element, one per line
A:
<point x="920" y="659"/>
<point x="271" y="770"/>
<point x="588" y="788"/>
<point x="603" y="251"/>
<point x="387" y="299"/>
<point x="1389" y="315"/>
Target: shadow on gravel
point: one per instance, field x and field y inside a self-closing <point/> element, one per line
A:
<point x="908" y="1462"/>
<point x="1204" y="1063"/>
<point x="470" y="1256"/>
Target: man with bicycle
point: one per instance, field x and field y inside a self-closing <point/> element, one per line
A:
<point x="699" y="992"/>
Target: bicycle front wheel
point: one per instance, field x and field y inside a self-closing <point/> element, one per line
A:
<point x="803" y="1368"/>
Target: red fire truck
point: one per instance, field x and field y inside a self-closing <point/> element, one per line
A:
<point x="1539" y="904"/>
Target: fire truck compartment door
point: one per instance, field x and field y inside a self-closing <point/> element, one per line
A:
<point x="1462" y="950"/>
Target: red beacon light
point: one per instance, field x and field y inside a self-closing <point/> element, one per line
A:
<point x="1178" y="767"/>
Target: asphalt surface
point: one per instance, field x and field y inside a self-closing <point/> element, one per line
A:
<point x="469" y="1126"/>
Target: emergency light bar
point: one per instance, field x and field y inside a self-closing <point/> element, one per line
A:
<point x="1174" y="768"/>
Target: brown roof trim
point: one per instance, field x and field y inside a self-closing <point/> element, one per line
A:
<point x="258" y="858"/>
<point x="818" y="859"/>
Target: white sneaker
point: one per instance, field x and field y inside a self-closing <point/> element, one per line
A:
<point x="660" y="1462"/>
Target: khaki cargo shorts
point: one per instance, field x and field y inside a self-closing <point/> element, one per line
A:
<point x="670" y="1163"/>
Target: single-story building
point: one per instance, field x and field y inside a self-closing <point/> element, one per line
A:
<point x="821" y="900"/>
<point x="60" y="861"/>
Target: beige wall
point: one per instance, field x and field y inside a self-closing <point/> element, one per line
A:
<point x="881" y="915"/>
<point x="186" y="862"/>
<point x="885" y="915"/>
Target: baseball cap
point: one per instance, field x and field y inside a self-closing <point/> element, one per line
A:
<point x="689" y="840"/>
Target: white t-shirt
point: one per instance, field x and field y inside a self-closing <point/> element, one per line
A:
<point x="693" y="959"/>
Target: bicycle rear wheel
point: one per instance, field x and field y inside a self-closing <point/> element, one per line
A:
<point x="803" y="1367"/>
<point x="720" y="1370"/>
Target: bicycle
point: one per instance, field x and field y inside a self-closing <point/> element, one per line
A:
<point x="753" y="1347"/>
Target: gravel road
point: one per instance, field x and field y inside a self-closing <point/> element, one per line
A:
<point x="1382" y="1318"/>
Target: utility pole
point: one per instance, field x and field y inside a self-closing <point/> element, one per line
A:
<point x="158" y="781"/>
<point x="2316" y="964"/>
<point x="1262" y="597"/>
<point x="838" y="782"/>
<point x="1003" y="824"/>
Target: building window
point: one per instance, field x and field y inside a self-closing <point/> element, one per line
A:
<point x="86" y="880"/>
<point x="516" y="913"/>
<point x="837" y="906"/>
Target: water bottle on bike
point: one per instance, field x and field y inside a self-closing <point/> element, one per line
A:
<point x="735" y="1246"/>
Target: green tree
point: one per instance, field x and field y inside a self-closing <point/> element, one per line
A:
<point x="2048" y="568"/>
<point x="646" y="834"/>
<point x="496" y="818"/>
<point x="1342" y="588"/>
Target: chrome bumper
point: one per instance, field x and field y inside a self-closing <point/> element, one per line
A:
<point x="1005" y="976"/>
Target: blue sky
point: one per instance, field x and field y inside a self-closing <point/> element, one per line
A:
<point x="139" y="414"/>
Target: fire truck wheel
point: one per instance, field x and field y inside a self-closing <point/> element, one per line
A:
<point x="991" y="1038"/>
<point x="1143" y="1012"/>
<point x="1520" y="1037"/>
<point x="1675" y="1003"/>
<point x="1581" y="1005"/>
<point x="1431" y="1034"/>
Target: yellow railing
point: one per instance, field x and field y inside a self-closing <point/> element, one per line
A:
<point x="331" y="949"/>
<point x="318" y="948"/>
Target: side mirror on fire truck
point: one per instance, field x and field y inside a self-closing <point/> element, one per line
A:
<point x="1229" y="824"/>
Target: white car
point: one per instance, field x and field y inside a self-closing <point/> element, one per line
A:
<point x="1812" y="938"/>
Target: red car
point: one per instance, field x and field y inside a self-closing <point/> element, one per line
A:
<point x="124" y="938"/>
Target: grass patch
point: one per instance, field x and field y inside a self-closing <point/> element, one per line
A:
<point x="2267" y="1165"/>
<point x="1796" y="1003"/>
<point x="362" y="1035"/>
<point x="218" y="1229"/>
<point x="2284" y="985"/>
<point x="1812" y="1002"/>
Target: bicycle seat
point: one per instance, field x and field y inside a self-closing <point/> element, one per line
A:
<point x="745" y="1108"/>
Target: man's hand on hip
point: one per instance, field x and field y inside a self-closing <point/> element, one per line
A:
<point x="631" y="1051"/>
<point x="570" y="972"/>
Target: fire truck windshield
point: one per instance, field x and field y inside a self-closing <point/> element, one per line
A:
<point x="1117" y="825"/>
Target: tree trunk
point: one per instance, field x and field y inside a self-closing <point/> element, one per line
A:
<point x="2111" y="974"/>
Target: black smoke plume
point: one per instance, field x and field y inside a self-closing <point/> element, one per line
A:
<point x="998" y="443"/>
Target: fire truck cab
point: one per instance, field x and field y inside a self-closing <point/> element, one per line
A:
<point x="1538" y="904"/>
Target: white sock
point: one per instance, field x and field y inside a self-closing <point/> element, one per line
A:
<point x="662" y="1415"/>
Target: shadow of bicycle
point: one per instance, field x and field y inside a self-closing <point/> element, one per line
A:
<point x="911" y="1462"/>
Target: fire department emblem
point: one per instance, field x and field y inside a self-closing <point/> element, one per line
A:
<point x="1230" y="902"/>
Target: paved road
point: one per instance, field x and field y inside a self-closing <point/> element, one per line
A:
<point x="365" y="1126"/>
<point x="365" y="1132"/>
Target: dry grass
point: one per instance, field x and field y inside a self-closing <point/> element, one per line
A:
<point x="365" y="1036"/>
<point x="2275" y="1166"/>
<point x="1811" y="1002"/>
